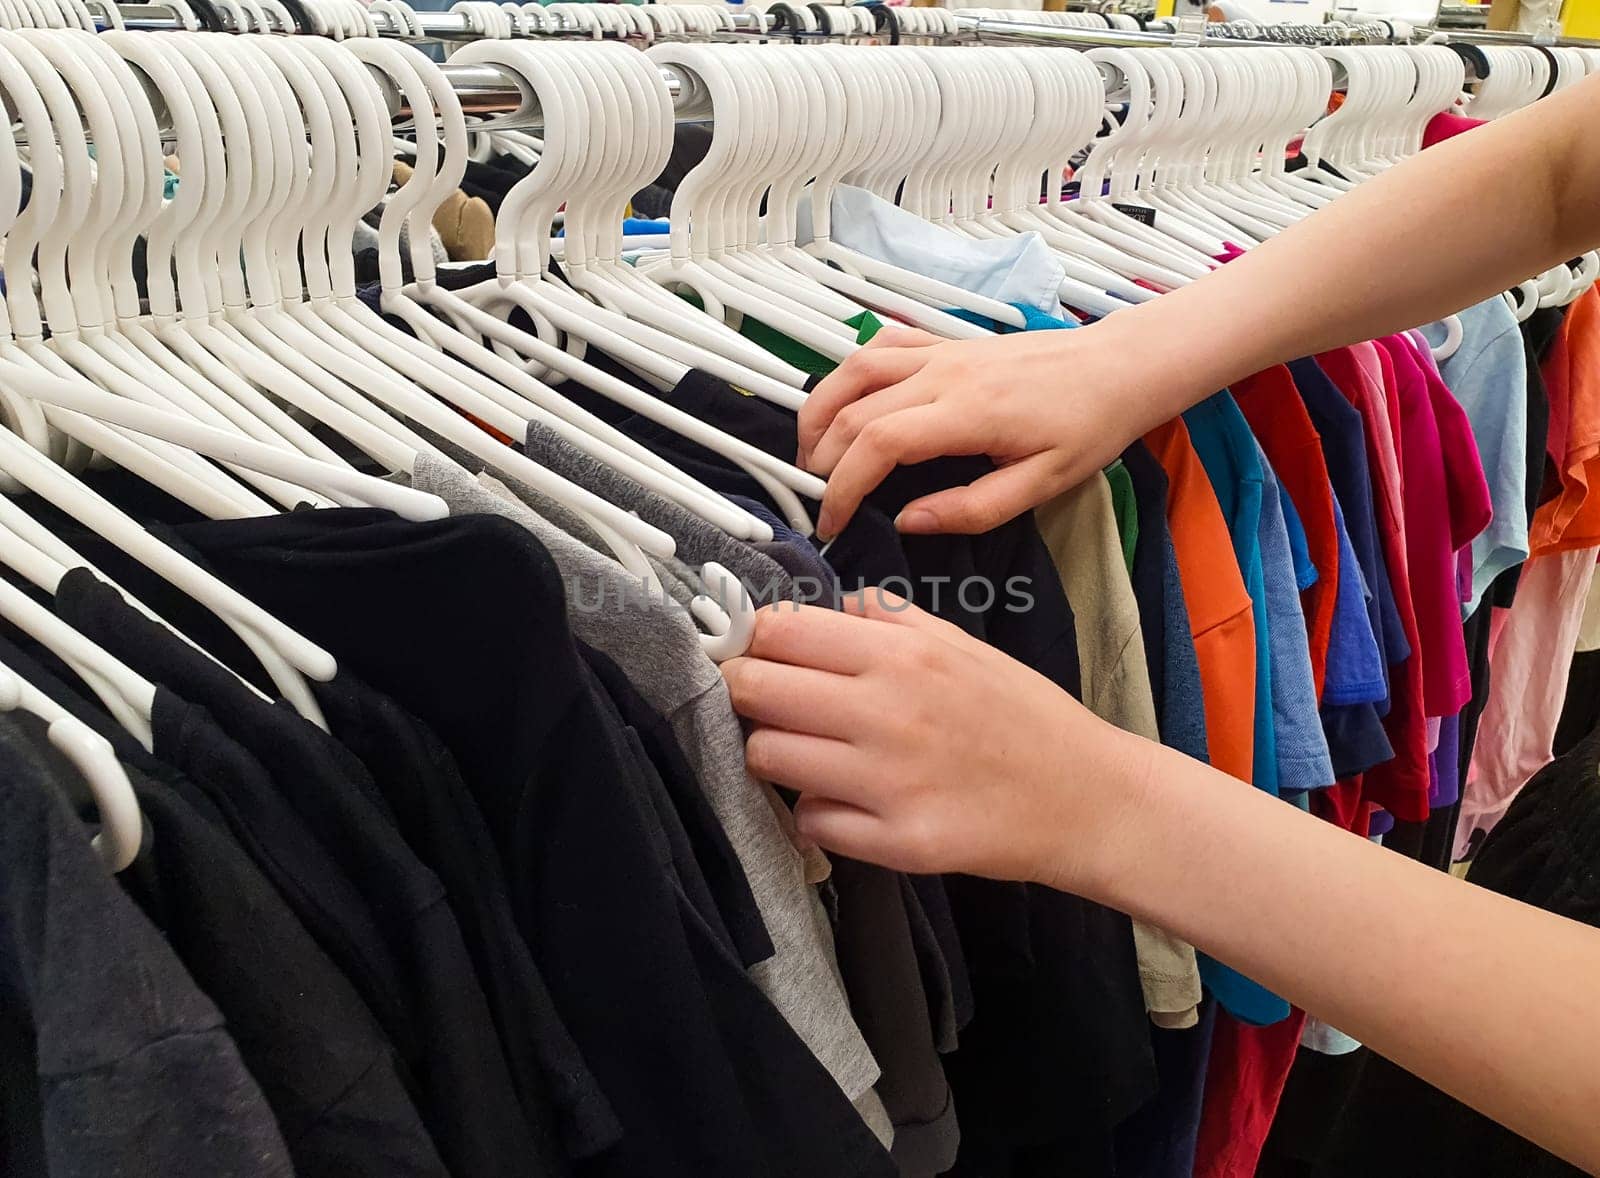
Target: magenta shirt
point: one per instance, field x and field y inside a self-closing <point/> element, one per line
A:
<point x="1446" y="504"/>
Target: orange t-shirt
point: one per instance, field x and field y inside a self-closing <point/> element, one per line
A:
<point x="1219" y="607"/>
<point x="1572" y="519"/>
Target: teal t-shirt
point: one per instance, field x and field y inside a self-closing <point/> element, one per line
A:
<point x="1227" y="450"/>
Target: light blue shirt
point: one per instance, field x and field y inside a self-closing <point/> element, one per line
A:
<point x="1020" y="270"/>
<point x="1300" y="746"/>
<point x="1488" y="376"/>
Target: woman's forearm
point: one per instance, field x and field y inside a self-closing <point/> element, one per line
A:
<point x="1461" y="221"/>
<point x="1488" y="998"/>
<point x="1431" y="236"/>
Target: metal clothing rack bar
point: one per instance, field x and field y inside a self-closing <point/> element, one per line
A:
<point x="1510" y="37"/>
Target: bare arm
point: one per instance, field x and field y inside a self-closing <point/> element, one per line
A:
<point x="916" y="746"/>
<point x="1464" y="219"/>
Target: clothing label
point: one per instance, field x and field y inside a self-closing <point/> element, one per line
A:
<point x="1137" y="212"/>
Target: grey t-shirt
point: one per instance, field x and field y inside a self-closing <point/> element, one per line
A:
<point x="658" y="646"/>
<point x="698" y="541"/>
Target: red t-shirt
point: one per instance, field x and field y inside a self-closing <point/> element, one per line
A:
<point x="1251" y="1066"/>
<point x="1279" y="420"/>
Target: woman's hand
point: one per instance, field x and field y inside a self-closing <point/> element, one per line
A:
<point x="918" y="747"/>
<point x="1048" y="408"/>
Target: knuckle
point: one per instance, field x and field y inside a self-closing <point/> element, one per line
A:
<point x="772" y="628"/>
<point x="761" y="753"/>
<point x="879" y="435"/>
<point x="851" y="419"/>
<point x="920" y="838"/>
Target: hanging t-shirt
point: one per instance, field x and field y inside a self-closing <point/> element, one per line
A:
<point x="1300" y="747"/>
<point x="1244" y="1083"/>
<point x="1529" y="667"/>
<point x="1221" y="617"/>
<point x="1488" y="376"/>
<point x="1011" y="269"/>
<point x="1033" y="320"/>
<point x="1358" y="432"/>
<point x="1125" y="508"/>
<point x="124" y="1057"/>
<point x="1080" y="529"/>
<point x="1280" y="423"/>
<point x="1163" y="615"/>
<point x="1572" y="520"/>
<point x="1357" y="680"/>
<point x="1227" y="450"/>
<point x="466" y="1096"/>
<point x="1444" y="508"/>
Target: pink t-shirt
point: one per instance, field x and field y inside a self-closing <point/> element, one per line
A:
<point x="1446" y="503"/>
<point x="1366" y="378"/>
<point x="1471" y="504"/>
<point x="1528" y="671"/>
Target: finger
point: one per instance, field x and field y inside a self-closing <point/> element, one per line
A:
<point x="798" y="699"/>
<point x="986" y="502"/>
<point x="880" y="605"/>
<point x="911" y="435"/>
<point x="900" y="336"/>
<point x="812" y="765"/>
<point x="848" y="423"/>
<point x="841" y="827"/>
<point x="867" y="371"/>
<point x="811" y="636"/>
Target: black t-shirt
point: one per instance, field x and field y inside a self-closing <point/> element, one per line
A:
<point x="442" y="823"/>
<point x="279" y="842"/>
<point x="328" y="1072"/>
<point x="709" y="852"/>
<point x="462" y="621"/>
<point x="1149" y="561"/>
<point x="420" y="784"/>
<point x="115" y="1059"/>
<point x="446" y="1035"/>
<point x="1539" y="332"/>
<point x="1059" y="1045"/>
<point x="1543" y="853"/>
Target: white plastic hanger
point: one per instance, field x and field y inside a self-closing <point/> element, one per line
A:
<point x="1092" y="211"/>
<point x="625" y="534"/>
<point x="1069" y="106"/>
<point x="107" y="355"/>
<point x="220" y="387"/>
<point x="727" y="185"/>
<point x="842" y="134"/>
<point x="1004" y="120"/>
<point x="635" y="321"/>
<point x="599" y="439"/>
<point x="59" y="201"/>
<point x="911" y="119"/>
<point x="121" y="824"/>
<point x="199" y="333"/>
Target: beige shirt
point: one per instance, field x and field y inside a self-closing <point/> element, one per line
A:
<point x="1080" y="529"/>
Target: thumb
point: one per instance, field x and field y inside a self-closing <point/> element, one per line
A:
<point x="986" y="502"/>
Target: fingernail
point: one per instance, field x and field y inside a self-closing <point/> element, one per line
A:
<point x="915" y="519"/>
<point x="825" y="525"/>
